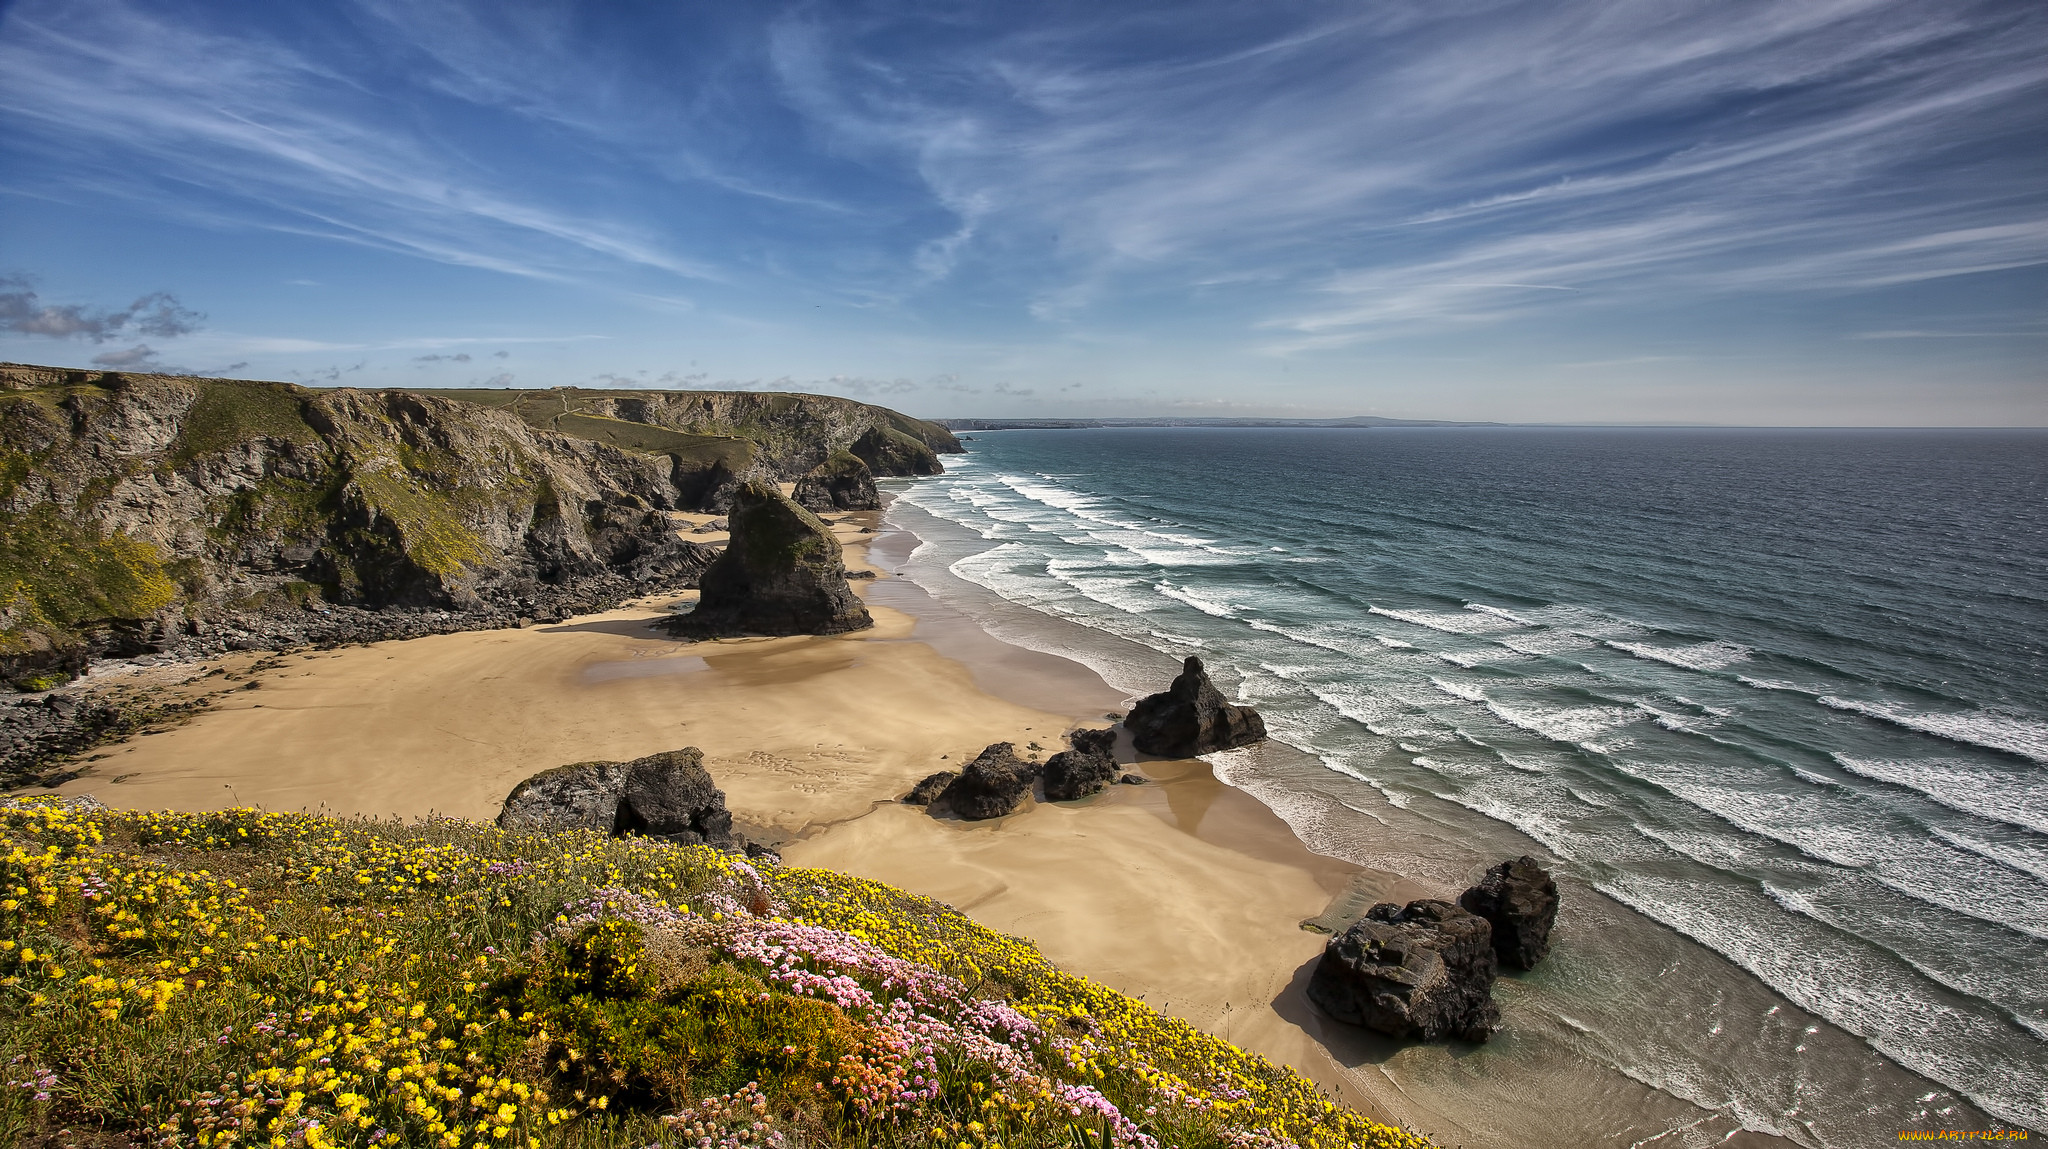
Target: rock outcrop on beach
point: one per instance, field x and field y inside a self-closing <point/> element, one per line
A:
<point x="668" y="795"/>
<point x="1424" y="970"/>
<point x="1087" y="768"/>
<point x="992" y="785"/>
<point x="1192" y="717"/>
<point x="841" y="483"/>
<point x="1519" y="899"/>
<point x="929" y="788"/>
<point x="782" y="573"/>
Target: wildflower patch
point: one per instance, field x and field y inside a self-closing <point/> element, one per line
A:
<point x="241" y="978"/>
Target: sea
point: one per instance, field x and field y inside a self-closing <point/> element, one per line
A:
<point x="1773" y="704"/>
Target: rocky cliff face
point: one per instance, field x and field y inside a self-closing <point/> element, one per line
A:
<point x="140" y="512"/>
<point x="782" y="573"/>
<point x="717" y="440"/>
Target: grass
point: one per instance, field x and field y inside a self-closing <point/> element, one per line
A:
<point x="249" y="978"/>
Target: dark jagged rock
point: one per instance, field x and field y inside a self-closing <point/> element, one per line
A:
<point x="841" y="483"/>
<point x="781" y="573"/>
<point x="672" y="796"/>
<point x="668" y="795"/>
<point x="1424" y="971"/>
<point x="1085" y="769"/>
<point x="992" y="785"/>
<point x="928" y="791"/>
<point x="1192" y="717"/>
<point x="1519" y="900"/>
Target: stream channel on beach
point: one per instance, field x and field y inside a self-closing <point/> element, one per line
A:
<point x="1770" y="702"/>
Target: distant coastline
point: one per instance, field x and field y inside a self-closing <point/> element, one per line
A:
<point x="1174" y="421"/>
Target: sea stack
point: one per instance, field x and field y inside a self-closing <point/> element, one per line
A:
<point x="781" y="573"/>
<point x="668" y="795"/>
<point x="841" y="483"/>
<point x="1519" y="900"/>
<point x="1191" y="717"/>
<point x="1424" y="970"/>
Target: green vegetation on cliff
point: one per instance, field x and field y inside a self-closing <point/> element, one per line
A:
<point x="57" y="575"/>
<point x="241" y="978"/>
<point x="229" y="412"/>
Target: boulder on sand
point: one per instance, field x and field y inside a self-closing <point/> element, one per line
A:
<point x="579" y="796"/>
<point x="992" y="785"/>
<point x="782" y="573"/>
<point x="1519" y="900"/>
<point x="668" y="795"/>
<point x="1424" y="970"/>
<point x="671" y="796"/>
<point x="1085" y="769"/>
<point x="1191" y="717"/>
<point x="841" y="483"/>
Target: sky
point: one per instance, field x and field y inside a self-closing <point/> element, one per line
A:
<point x="1814" y="212"/>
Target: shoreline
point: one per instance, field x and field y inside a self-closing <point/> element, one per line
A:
<point x="1184" y="892"/>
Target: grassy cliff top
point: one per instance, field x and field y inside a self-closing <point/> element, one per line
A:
<point x="248" y="978"/>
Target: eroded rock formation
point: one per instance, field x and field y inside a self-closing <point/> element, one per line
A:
<point x="1424" y="970"/>
<point x="1192" y="717"/>
<point x="668" y="795"/>
<point x="782" y="573"/>
<point x="992" y="785"/>
<point x="1085" y="769"/>
<point x="1519" y="899"/>
<point x="841" y="483"/>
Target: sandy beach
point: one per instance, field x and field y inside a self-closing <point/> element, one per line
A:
<point x="1182" y="891"/>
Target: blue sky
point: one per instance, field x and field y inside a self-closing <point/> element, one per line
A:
<point x="1818" y="211"/>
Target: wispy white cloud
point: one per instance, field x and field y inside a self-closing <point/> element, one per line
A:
<point x="260" y="123"/>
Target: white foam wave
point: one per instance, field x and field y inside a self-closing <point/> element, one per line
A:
<point x="1465" y="660"/>
<point x="1576" y="725"/>
<point x="1545" y="642"/>
<point x="1206" y="606"/>
<point x="1450" y="769"/>
<point x="1392" y="643"/>
<point x="2025" y="737"/>
<point x="1767" y="684"/>
<point x="1449" y="621"/>
<point x="1715" y="655"/>
<point x="1497" y="612"/>
<point x="1828" y="974"/>
<point x="1460" y="690"/>
<point x="2028" y="857"/>
<point x="2014" y="797"/>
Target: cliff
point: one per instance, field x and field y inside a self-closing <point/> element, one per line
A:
<point x="717" y="440"/>
<point x="151" y="512"/>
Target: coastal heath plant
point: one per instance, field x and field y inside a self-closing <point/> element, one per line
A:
<point x="245" y="978"/>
